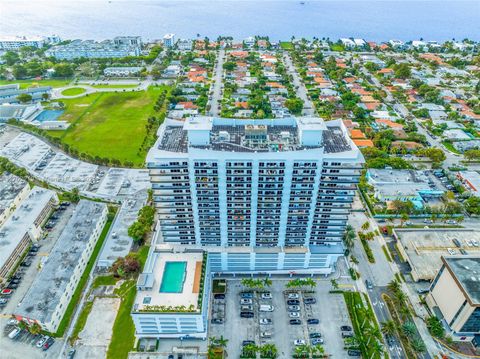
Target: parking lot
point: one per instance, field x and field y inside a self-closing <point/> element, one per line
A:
<point x="23" y="346"/>
<point x="273" y="327"/>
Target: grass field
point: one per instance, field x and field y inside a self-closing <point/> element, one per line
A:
<point x="73" y="91"/>
<point x="109" y="125"/>
<point x="29" y="83"/>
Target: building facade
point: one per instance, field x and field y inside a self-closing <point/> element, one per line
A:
<point x="283" y="183"/>
<point x="16" y="42"/>
<point x="169" y="40"/>
<point x="454" y="297"/>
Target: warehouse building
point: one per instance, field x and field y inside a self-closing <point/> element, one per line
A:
<point x="49" y="295"/>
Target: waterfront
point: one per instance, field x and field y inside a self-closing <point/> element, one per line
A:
<point x="373" y="20"/>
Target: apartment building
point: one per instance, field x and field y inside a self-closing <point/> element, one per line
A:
<point x="16" y="42"/>
<point x="454" y="297"/>
<point x="24" y="226"/>
<point x="169" y="40"/>
<point x="118" y="47"/>
<point x="13" y="191"/>
<point x="259" y="194"/>
<point x="49" y="295"/>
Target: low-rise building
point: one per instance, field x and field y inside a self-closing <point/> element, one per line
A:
<point x="454" y="297"/>
<point x="471" y="181"/>
<point x="122" y="71"/>
<point x="403" y="185"/>
<point x="19" y="112"/>
<point x="184" y="44"/>
<point x="9" y="93"/>
<point x="13" y="191"/>
<point x="49" y="295"/>
<point x="24" y="226"/>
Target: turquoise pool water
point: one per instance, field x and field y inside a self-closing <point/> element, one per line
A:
<point x="48" y="115"/>
<point x="173" y="277"/>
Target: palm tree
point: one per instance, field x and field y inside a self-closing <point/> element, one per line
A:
<point x="302" y="351"/>
<point x="394" y="286"/>
<point x="334" y="284"/>
<point x="366" y="225"/>
<point x="268" y="351"/>
<point x="376" y="349"/>
<point x="267" y="282"/>
<point x="409" y="329"/>
<point x="310" y="282"/>
<point x="418" y="345"/>
<point x="250" y="350"/>
<point x="403" y="218"/>
<point x="389" y="327"/>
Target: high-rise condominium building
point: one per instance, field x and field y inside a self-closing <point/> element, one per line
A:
<point x="256" y="194"/>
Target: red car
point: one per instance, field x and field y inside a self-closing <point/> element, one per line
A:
<point x="7" y="291"/>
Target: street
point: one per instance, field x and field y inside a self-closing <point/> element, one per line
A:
<point x="216" y="90"/>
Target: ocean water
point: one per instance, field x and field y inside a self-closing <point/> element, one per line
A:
<point x="373" y="20"/>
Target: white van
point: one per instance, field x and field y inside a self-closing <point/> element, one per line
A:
<point x="267" y="308"/>
<point x="14" y="333"/>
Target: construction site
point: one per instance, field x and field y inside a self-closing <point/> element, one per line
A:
<point x="422" y="249"/>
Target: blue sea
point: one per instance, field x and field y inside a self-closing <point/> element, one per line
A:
<point x="373" y="20"/>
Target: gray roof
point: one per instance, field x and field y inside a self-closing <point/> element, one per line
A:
<point x="10" y="187"/>
<point x="49" y="286"/>
<point x="466" y="271"/>
<point x="12" y="111"/>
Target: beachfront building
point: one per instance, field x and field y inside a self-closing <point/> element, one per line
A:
<point x="23" y="226"/>
<point x="50" y="293"/>
<point x="267" y="186"/>
<point x="454" y="297"/>
<point x="121" y="46"/>
<point x="169" y="40"/>
<point x="9" y="43"/>
<point x="172" y="295"/>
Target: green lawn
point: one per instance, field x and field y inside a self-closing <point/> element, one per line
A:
<point x="109" y="125"/>
<point x="73" y="91"/>
<point x="29" y="83"/>
<point x="104" y="280"/>
<point x="123" y="334"/>
<point x="81" y="321"/>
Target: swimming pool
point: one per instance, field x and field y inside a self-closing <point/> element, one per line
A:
<point x="173" y="277"/>
<point x="48" y="115"/>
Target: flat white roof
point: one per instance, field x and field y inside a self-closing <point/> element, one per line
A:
<point x="22" y="220"/>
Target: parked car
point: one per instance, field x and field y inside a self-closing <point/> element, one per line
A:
<point x="293" y="308"/>
<point x="309" y="300"/>
<point x="354" y="352"/>
<point x="295" y="321"/>
<point x="266" y="295"/>
<point x="219" y="296"/>
<point x="42" y="341"/>
<point x="299" y="342"/>
<point x="247" y="342"/>
<point x="347" y="334"/>
<point x="14" y="333"/>
<point x="246" y="295"/>
<point x="246" y="308"/>
<point x="71" y="354"/>
<point x="265" y="321"/>
<point x="427" y="221"/>
<point x="293" y="296"/>
<point x="246" y="314"/>
<point x="6" y="292"/>
<point x="12" y="286"/>
<point x="313" y="321"/>
<point x="294" y="314"/>
<point x="368" y="284"/>
<point x="317" y="341"/>
<point x="267" y="308"/>
<point x="293" y="302"/>
<point x="346" y="328"/>
<point x="315" y="335"/>
<point x="246" y="301"/>
<point x="265" y="335"/>
<point x="451" y="221"/>
<point x="48" y="344"/>
<point x="12" y="321"/>
<point x="26" y="263"/>
<point x="217" y="321"/>
<point x="3" y="301"/>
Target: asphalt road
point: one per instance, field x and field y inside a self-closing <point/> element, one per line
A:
<point x="216" y="93"/>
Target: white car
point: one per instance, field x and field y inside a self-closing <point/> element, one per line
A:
<point x="265" y="321"/>
<point x="13" y="321"/>
<point x="293" y="296"/>
<point x="451" y="221"/>
<point x="266" y="295"/>
<point x="293" y="314"/>
<point x="246" y="301"/>
<point x="469" y="243"/>
<point x="299" y="342"/>
<point x="293" y="308"/>
<point x="474" y="242"/>
<point x="266" y="308"/>
<point x="450" y="251"/>
<point x="42" y="341"/>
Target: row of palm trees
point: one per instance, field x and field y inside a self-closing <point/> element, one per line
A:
<point x="302" y="283"/>
<point x="256" y="284"/>
<point x="269" y="351"/>
<point x="309" y="351"/>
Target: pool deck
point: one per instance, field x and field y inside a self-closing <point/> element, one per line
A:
<point x="189" y="296"/>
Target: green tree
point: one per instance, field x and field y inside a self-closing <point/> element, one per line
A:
<point x="409" y="329"/>
<point x="435" y="327"/>
<point x="63" y="69"/>
<point x="294" y="105"/>
<point x="24" y="98"/>
<point x="334" y="284"/>
<point x="11" y="58"/>
<point x="389" y="327"/>
<point x="402" y="71"/>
